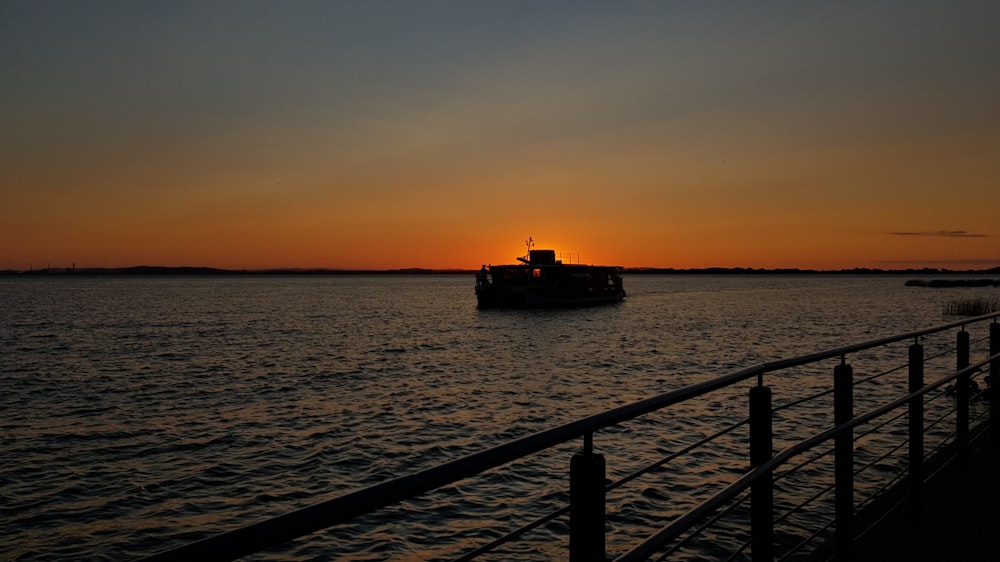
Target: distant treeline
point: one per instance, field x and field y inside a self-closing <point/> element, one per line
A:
<point x="796" y="271"/>
<point x="160" y="270"/>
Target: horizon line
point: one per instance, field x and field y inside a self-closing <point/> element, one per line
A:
<point x="154" y="269"/>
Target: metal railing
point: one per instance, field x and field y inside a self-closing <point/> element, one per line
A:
<point x="589" y="487"/>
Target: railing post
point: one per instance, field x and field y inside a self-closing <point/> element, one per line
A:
<point x="843" y="473"/>
<point x="995" y="384"/>
<point x="962" y="396"/>
<point x="916" y="423"/>
<point x="586" y="511"/>
<point x="762" y="491"/>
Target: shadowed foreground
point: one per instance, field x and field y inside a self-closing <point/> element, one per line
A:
<point x="960" y="514"/>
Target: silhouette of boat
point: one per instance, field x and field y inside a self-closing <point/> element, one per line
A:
<point x="542" y="281"/>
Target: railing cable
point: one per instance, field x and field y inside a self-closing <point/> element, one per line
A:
<point x="283" y="528"/>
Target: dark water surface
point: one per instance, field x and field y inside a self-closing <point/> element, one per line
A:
<point x="143" y="413"/>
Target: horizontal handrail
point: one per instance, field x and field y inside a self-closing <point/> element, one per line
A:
<point x="672" y="531"/>
<point x="271" y="532"/>
<point x="265" y="534"/>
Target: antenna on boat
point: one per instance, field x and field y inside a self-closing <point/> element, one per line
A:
<point x="529" y="243"/>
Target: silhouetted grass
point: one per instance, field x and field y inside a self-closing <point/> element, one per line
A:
<point x="972" y="306"/>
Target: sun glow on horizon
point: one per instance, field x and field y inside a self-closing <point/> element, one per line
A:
<point x="640" y="135"/>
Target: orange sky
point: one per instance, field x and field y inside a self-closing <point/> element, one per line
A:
<point x="436" y="134"/>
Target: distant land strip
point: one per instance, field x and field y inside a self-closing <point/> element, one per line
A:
<point x="163" y="270"/>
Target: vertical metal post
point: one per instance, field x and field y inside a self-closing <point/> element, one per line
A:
<point x="762" y="491"/>
<point x="586" y="510"/>
<point x="843" y="449"/>
<point x="962" y="396"/>
<point x="916" y="429"/>
<point x="995" y="384"/>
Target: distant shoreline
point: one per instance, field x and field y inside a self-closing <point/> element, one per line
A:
<point x="211" y="271"/>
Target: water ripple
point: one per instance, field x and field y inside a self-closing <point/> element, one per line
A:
<point x="146" y="413"/>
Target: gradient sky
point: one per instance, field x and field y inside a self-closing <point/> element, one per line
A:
<point x="394" y="134"/>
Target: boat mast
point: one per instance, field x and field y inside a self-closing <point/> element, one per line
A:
<point x="529" y="243"/>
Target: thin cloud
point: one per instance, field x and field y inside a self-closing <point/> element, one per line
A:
<point x="942" y="233"/>
<point x="994" y="262"/>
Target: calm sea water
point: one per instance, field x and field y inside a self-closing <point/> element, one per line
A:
<point x="140" y="413"/>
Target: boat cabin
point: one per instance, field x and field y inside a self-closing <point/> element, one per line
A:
<point x="542" y="280"/>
